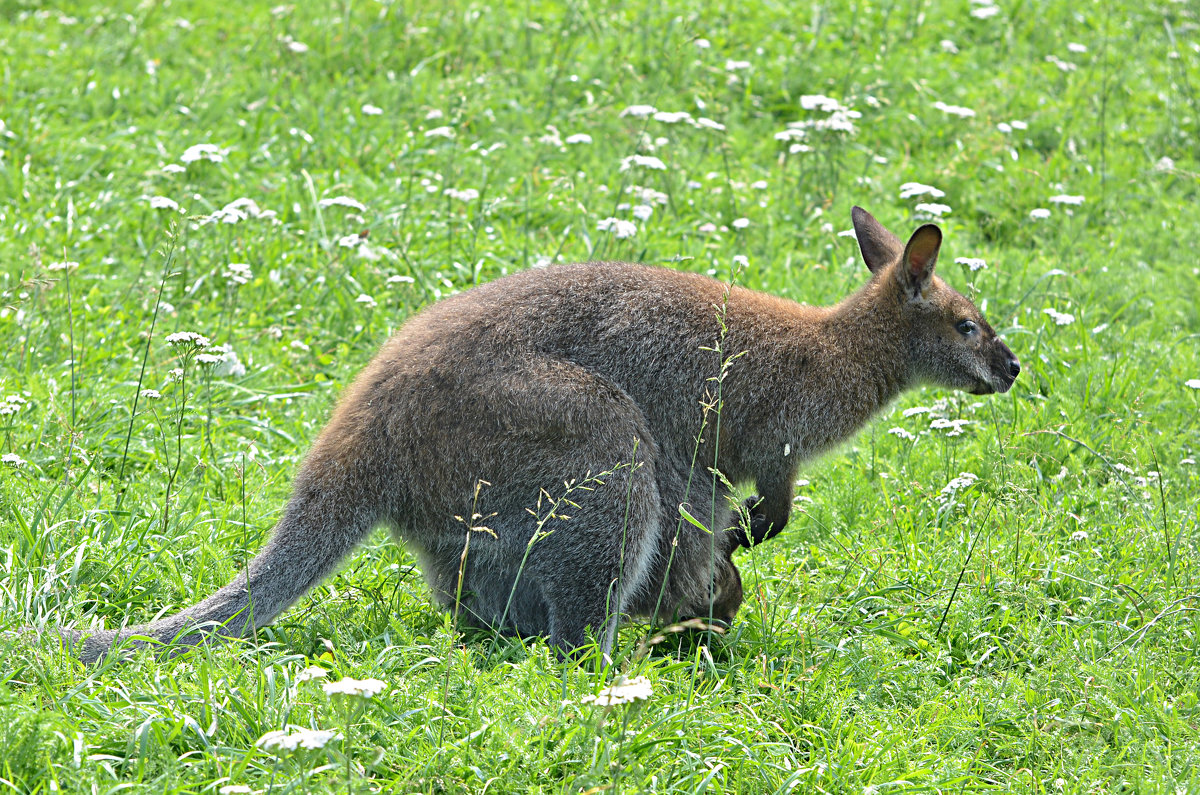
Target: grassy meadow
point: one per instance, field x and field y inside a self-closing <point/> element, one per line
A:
<point x="975" y="594"/>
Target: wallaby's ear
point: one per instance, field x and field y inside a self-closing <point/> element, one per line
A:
<point x="920" y="255"/>
<point x="879" y="247"/>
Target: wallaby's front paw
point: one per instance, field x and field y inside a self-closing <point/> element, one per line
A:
<point x="761" y="528"/>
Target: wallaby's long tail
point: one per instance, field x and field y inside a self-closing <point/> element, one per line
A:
<point x="326" y="517"/>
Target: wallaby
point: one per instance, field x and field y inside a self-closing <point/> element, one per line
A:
<point x="486" y="403"/>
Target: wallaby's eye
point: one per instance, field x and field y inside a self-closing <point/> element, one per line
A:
<point x="967" y="327"/>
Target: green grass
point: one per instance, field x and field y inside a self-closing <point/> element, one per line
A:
<point x="1034" y="631"/>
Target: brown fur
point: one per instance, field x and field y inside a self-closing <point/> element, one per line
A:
<point x="566" y="373"/>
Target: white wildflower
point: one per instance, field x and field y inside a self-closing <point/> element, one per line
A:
<point x="372" y="110"/>
<point x="1063" y="66"/>
<point x="848" y="233"/>
<point x="672" y="117"/>
<point x="952" y="427"/>
<point x="1164" y="165"/>
<point x="362" y="688"/>
<point x="311" y="672"/>
<point x="932" y="208"/>
<point x="740" y="223"/>
<point x="464" y="195"/>
<point x="645" y="161"/>
<point x="619" y="227"/>
<point x="237" y="210"/>
<point x="734" y="66"/>
<point x="282" y="740"/>
<point x="367" y="301"/>
<point x="209" y="359"/>
<point x="902" y="433"/>
<point x="440" y="132"/>
<point x="297" y="46"/>
<point x="1064" y="198"/>
<point x="954" y="110"/>
<point x="703" y="44"/>
<point x="1079" y="535"/>
<point x="151" y="394"/>
<point x="1039" y="213"/>
<point x="1192" y="383"/>
<point x="224" y="361"/>
<point x="911" y="189"/>
<point x="210" y="152"/>
<point x="820" y="102"/>
<point x="963" y="481"/>
<point x="187" y="339"/>
<point x="1059" y="318"/>
<point x="623" y="691"/>
<point x="916" y="410"/>
<point x="647" y="195"/>
<point x="642" y="212"/>
<point x="173" y="168"/>
<point x="342" y="201"/>
<point x="163" y="203"/>
<point x="62" y="266"/>
<point x="709" y="124"/>
<point x="1076" y="47"/>
<point x="578" y="138"/>
<point x="759" y="184"/>
<point x="13" y="460"/>
<point x="974" y="263"/>
<point x="398" y="279"/>
<point x="985" y="12"/>
<point x="234" y="789"/>
<point x="298" y="345"/>
<point x="238" y="273"/>
<point x="638" y="111"/>
<point x="949" y="46"/>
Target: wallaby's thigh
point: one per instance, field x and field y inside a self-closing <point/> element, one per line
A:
<point x="568" y="511"/>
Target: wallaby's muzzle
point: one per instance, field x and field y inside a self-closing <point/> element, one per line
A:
<point x="1004" y="368"/>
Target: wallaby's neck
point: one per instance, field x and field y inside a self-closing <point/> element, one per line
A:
<point x="868" y="344"/>
<point x="815" y="375"/>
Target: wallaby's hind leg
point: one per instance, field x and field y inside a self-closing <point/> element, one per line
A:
<point x="571" y="503"/>
<point x="595" y="557"/>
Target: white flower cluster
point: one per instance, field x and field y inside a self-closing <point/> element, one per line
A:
<point x="838" y="118"/>
<point x="238" y="210"/>
<point x="282" y="740"/>
<point x="360" y="688"/>
<point x="623" y="691"/>
<point x="187" y="339"/>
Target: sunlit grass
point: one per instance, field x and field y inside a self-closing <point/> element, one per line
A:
<point x="975" y="594"/>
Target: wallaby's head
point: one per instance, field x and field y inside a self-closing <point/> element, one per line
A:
<point x="949" y="342"/>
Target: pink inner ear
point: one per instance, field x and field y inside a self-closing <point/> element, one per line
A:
<point x="922" y="253"/>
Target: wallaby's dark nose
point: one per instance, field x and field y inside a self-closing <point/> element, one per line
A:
<point x="1014" y="367"/>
